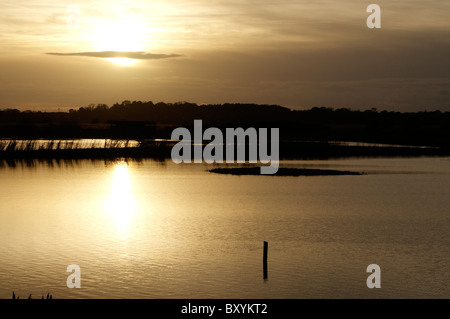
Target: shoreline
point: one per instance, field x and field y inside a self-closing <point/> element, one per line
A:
<point x="294" y="172"/>
<point x="161" y="149"/>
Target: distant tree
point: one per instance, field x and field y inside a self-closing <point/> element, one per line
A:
<point x="101" y="107"/>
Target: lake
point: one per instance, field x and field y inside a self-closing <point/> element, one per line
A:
<point x="154" y="229"/>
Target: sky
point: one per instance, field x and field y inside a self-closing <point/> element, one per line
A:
<point x="300" y="54"/>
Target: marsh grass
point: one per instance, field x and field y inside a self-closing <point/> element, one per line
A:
<point x="49" y="296"/>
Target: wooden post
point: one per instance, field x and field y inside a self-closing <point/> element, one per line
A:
<point x="266" y="244"/>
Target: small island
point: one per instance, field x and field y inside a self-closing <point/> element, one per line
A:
<point x="283" y="171"/>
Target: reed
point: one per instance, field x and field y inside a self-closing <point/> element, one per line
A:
<point x="49" y="296"/>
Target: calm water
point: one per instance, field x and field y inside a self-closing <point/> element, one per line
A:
<point x="157" y="230"/>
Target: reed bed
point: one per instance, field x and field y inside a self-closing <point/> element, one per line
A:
<point x="13" y="145"/>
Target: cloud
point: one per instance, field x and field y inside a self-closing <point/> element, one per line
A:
<point x="119" y="54"/>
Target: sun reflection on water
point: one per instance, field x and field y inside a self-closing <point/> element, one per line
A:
<point x="120" y="205"/>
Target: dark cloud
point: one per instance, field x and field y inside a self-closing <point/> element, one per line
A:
<point x="119" y="54"/>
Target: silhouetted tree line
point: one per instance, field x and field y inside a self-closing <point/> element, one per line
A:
<point x="137" y="119"/>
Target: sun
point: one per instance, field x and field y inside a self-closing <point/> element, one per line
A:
<point x="122" y="61"/>
<point x="123" y="34"/>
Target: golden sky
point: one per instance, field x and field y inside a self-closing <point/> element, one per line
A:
<point x="64" y="54"/>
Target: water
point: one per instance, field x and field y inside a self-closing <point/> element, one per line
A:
<point x="153" y="229"/>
